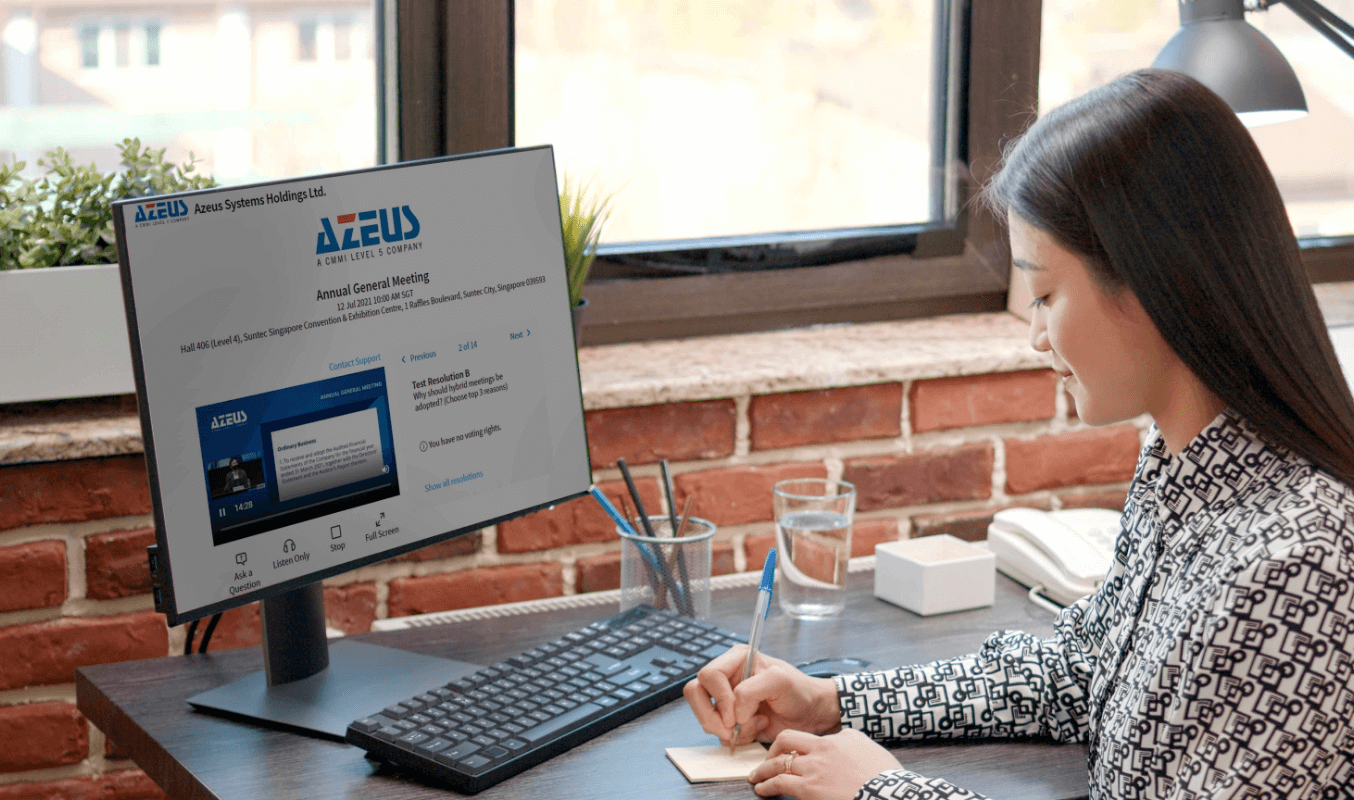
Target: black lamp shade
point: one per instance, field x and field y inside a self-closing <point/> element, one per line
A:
<point x="1238" y="62"/>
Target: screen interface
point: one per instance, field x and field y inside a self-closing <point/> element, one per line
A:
<point x="344" y="365"/>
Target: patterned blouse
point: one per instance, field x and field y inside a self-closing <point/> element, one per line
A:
<point x="1216" y="661"/>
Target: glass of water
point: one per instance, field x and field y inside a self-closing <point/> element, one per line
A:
<point x="813" y="535"/>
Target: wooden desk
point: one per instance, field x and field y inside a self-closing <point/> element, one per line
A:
<point x="142" y="706"/>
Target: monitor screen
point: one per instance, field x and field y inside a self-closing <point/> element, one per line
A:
<point x="337" y="369"/>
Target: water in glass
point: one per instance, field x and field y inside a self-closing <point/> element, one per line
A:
<point x="814" y="547"/>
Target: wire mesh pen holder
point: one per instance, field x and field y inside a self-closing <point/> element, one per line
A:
<point x="665" y="571"/>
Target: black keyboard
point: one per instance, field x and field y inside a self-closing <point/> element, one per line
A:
<point x="476" y="731"/>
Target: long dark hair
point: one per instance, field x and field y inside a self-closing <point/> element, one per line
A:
<point x="1157" y="186"/>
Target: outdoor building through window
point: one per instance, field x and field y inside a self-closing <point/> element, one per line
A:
<point x="737" y="119"/>
<point x="227" y="86"/>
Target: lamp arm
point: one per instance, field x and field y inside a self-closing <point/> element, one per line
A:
<point x="1324" y="21"/>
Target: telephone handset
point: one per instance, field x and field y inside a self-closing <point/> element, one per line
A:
<point x="1062" y="555"/>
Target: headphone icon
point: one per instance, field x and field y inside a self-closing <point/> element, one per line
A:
<point x="289" y="546"/>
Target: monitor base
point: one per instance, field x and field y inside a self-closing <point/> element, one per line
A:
<point x="361" y="679"/>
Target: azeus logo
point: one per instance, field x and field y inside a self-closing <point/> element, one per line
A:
<point x="161" y="209"/>
<point x="226" y="420"/>
<point x="384" y="227"/>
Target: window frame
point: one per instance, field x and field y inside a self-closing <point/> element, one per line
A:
<point x="453" y="71"/>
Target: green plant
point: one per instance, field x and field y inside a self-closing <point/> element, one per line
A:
<point x="583" y="212"/>
<point x="65" y="216"/>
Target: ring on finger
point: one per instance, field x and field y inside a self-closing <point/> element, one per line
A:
<point x="790" y="761"/>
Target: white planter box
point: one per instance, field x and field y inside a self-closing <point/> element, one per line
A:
<point x="64" y="331"/>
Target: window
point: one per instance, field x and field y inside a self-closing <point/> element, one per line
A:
<point x="236" y="98"/>
<point x="739" y="119"/>
<point x="152" y="44"/>
<point x="1086" y="45"/>
<point x="305" y="41"/>
<point x="89" y="47"/>
<point x="457" y="94"/>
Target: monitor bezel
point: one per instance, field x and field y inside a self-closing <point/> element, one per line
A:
<point x="163" y="583"/>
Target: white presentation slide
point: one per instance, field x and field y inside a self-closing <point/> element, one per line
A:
<point x="387" y="354"/>
<point x="327" y="454"/>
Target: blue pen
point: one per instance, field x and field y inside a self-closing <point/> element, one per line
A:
<point x="758" y="617"/>
<point x="611" y="510"/>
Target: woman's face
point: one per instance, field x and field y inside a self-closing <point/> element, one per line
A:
<point x="1111" y="357"/>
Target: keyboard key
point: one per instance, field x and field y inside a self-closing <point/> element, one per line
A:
<point x="474" y="763"/>
<point x="486" y="741"/>
<point x="389" y="733"/>
<point x="434" y="746"/>
<point x="623" y="694"/>
<point x="514" y="744"/>
<point x="557" y="724"/>
<point x="413" y="738"/>
<point x="367" y="725"/>
<point x="419" y="719"/>
<point x="396" y="711"/>
<point x="405" y="725"/>
<point x="433" y="730"/>
<point x="627" y="677"/>
<point x="495" y="752"/>
<point x="414" y="704"/>
<point x="607" y="702"/>
<point x="460" y="751"/>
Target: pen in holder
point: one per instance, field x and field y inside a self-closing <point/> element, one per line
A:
<point x="651" y="566"/>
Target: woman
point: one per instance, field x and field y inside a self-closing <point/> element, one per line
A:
<point x="1217" y="659"/>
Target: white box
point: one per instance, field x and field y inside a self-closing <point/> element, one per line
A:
<point x="934" y="574"/>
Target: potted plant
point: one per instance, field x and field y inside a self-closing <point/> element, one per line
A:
<point x="583" y="212"/>
<point x="58" y="271"/>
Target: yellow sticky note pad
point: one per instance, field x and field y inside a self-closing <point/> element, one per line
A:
<point x="710" y="764"/>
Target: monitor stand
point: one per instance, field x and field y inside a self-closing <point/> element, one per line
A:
<point x="308" y="686"/>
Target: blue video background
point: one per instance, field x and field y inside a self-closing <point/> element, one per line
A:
<point x="242" y="430"/>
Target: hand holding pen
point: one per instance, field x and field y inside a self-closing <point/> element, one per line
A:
<point x="776" y="697"/>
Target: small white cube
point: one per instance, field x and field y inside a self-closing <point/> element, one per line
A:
<point x="934" y="574"/>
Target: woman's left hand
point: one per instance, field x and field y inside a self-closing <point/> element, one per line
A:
<point x="831" y="767"/>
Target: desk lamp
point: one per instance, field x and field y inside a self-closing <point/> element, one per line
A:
<point x="1221" y="50"/>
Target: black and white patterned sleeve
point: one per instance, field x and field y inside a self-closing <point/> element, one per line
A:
<point x="1265" y="696"/>
<point x="1017" y="685"/>
<point x="902" y="784"/>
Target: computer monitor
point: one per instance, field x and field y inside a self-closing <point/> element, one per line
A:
<point x="337" y="369"/>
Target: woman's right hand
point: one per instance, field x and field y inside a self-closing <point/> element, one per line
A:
<point x="776" y="698"/>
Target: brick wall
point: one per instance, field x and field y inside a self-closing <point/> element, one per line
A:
<point x="927" y="456"/>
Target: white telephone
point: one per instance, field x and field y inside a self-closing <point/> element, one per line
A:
<point x="1060" y="555"/>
